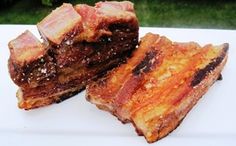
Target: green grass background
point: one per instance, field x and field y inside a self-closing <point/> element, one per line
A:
<point x="161" y="13"/>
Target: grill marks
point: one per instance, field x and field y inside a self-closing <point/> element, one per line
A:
<point x="202" y="73"/>
<point x="146" y="64"/>
<point x="134" y="82"/>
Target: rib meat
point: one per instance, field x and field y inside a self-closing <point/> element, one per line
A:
<point x="79" y="44"/>
<point x="159" y="84"/>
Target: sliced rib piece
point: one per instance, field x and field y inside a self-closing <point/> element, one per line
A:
<point x="159" y="84"/>
<point x="61" y="25"/>
<point x="75" y="50"/>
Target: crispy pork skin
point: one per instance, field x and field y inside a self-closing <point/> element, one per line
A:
<point x="159" y="84"/>
<point x="80" y="43"/>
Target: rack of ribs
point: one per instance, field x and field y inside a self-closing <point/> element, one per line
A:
<point x="80" y="43"/>
<point x="159" y="84"/>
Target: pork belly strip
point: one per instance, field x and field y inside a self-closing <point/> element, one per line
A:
<point x="159" y="84"/>
<point x="63" y="64"/>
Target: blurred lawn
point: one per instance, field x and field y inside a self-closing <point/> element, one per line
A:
<point x="161" y="13"/>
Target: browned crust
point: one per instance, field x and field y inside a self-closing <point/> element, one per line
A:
<point x="43" y="101"/>
<point x="58" y="93"/>
<point x="160" y="125"/>
<point x="200" y="74"/>
<point x="143" y="57"/>
<point x="35" y="78"/>
<point x="170" y="122"/>
<point x="146" y="64"/>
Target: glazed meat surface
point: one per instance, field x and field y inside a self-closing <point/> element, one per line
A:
<point x="80" y="43"/>
<point x="159" y="84"/>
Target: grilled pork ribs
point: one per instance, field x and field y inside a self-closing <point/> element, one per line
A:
<point x="155" y="84"/>
<point x="79" y="44"/>
<point x="159" y="84"/>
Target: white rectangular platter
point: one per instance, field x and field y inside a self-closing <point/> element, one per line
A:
<point x="77" y="122"/>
